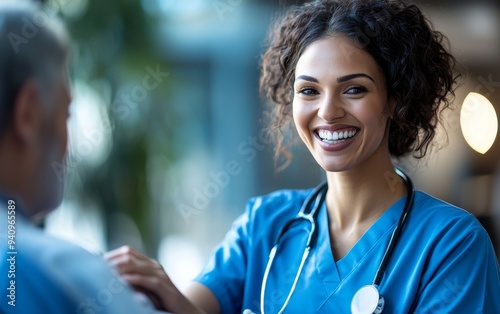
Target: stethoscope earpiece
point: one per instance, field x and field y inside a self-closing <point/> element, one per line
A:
<point x="367" y="300"/>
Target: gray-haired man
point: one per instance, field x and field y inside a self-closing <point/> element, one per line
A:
<point x="40" y="274"/>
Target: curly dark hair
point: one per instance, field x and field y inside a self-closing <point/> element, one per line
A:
<point x="414" y="58"/>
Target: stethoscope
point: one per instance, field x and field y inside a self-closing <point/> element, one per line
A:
<point x="367" y="299"/>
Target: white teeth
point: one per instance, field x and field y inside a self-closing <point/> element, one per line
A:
<point x="336" y="136"/>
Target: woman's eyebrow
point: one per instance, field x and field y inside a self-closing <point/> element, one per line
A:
<point x="348" y="77"/>
<point x="307" y="78"/>
<point x="341" y="79"/>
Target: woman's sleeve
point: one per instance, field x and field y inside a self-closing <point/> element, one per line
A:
<point x="467" y="278"/>
<point x="225" y="272"/>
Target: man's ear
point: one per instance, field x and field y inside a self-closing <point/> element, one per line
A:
<point x="28" y="112"/>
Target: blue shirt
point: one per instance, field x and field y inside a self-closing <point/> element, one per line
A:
<point x="444" y="261"/>
<point x="40" y="274"/>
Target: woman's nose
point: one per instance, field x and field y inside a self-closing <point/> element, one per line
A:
<point x="330" y="109"/>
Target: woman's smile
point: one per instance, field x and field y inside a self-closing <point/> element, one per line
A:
<point x="338" y="139"/>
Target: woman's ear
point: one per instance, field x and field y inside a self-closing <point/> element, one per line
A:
<point x="27" y="115"/>
<point x="391" y="107"/>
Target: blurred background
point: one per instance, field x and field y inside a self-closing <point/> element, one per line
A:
<point x="167" y="138"/>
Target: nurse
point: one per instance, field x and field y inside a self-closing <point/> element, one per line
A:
<point x="364" y="82"/>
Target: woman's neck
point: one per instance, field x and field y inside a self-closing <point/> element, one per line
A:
<point x="358" y="197"/>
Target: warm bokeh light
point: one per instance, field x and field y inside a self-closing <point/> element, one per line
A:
<point x="479" y="122"/>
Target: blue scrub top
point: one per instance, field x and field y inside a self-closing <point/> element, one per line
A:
<point x="444" y="261"/>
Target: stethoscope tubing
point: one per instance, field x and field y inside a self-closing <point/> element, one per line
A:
<point x="396" y="234"/>
<point x="318" y="195"/>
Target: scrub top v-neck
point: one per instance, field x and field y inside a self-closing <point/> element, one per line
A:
<point x="339" y="279"/>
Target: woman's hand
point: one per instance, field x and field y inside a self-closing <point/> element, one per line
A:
<point x="147" y="276"/>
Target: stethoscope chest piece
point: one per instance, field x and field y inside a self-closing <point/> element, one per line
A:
<point x="367" y="300"/>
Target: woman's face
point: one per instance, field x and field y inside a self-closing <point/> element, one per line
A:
<point x="340" y="105"/>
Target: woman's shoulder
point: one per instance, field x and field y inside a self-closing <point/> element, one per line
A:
<point x="432" y="213"/>
<point x="277" y="206"/>
<point x="281" y="197"/>
<point x="428" y="204"/>
<point x="279" y="200"/>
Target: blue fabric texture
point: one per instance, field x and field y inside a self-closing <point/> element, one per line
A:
<point x="443" y="263"/>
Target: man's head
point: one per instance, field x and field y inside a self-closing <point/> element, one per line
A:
<point x="34" y="100"/>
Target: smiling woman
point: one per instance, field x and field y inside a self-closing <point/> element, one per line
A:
<point x="421" y="53"/>
<point x="364" y="82"/>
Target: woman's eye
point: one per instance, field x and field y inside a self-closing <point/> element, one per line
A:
<point x="355" y="90"/>
<point x="307" y="91"/>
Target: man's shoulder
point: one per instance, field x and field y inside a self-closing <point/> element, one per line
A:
<point x="35" y="246"/>
<point x="49" y="268"/>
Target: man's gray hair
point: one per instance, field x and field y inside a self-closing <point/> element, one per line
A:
<point x="33" y="45"/>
